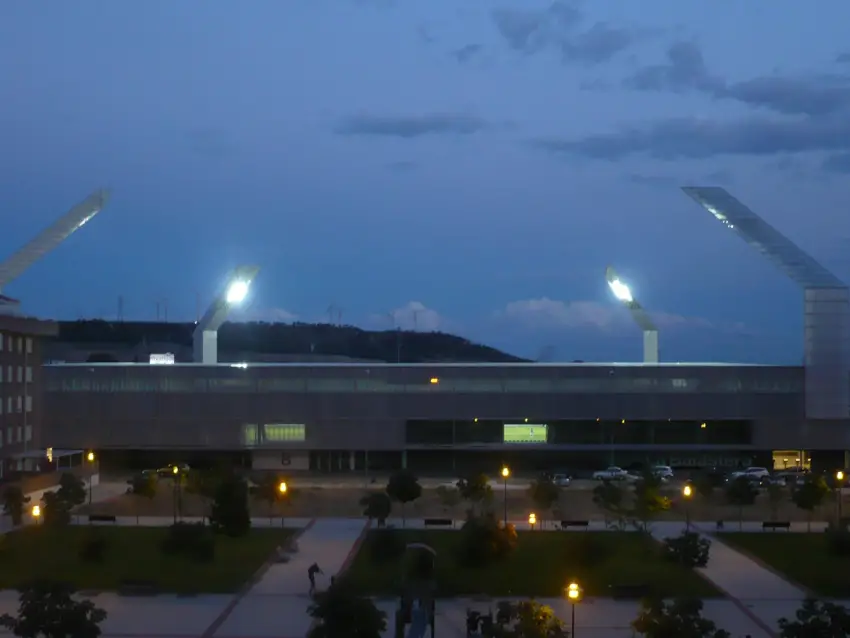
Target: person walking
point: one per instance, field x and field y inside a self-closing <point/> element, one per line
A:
<point x="311" y="574"/>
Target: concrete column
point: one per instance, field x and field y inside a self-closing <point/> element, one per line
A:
<point x="351" y="461"/>
<point x="404" y="459"/>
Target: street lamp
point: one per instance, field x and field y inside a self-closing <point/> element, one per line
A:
<point x="175" y="491"/>
<point x="687" y="492"/>
<point x="839" y="481"/>
<point x="36" y="513"/>
<point x="506" y="472"/>
<point x="532" y="520"/>
<point x="205" y="337"/>
<point x="282" y="489"/>
<point x="90" y="458"/>
<point x="574" y="596"/>
<point x="650" y="331"/>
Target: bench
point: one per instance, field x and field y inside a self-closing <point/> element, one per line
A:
<point x="437" y="522"/>
<point x="102" y="518"/>
<point x="775" y="525"/>
<point x="137" y="588"/>
<point x="569" y="524"/>
<point x="630" y="591"/>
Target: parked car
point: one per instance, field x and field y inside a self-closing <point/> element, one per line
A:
<point x="751" y="473"/>
<point x="561" y="480"/>
<point x="169" y="470"/>
<point x="664" y="472"/>
<point x="612" y="473"/>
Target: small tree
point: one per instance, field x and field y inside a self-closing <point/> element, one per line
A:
<point x="484" y="540"/>
<point x="403" y="487"/>
<point x="815" y="619"/>
<point x="54" y="510"/>
<point x="681" y="618"/>
<point x="475" y="489"/>
<point x="48" y="610"/>
<point x="809" y="496"/>
<point x="689" y="549"/>
<point x="741" y="493"/>
<point x="609" y="498"/>
<point x="376" y="506"/>
<point x="449" y="499"/>
<point x="525" y="619"/>
<point x="342" y="613"/>
<point x="230" y="514"/>
<point x="72" y="491"/>
<point x="15" y="503"/>
<point x="647" y="500"/>
<point x="544" y="494"/>
<point x="142" y="486"/>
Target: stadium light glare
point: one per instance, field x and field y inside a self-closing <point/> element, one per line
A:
<point x="650" y="331"/>
<point x="235" y="291"/>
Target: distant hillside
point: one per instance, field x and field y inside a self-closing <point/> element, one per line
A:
<point x="309" y="340"/>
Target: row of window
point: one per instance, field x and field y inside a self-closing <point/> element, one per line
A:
<point x="85" y="383"/>
<point x="254" y="435"/>
<point x="23" y="434"/>
<point x="10" y="341"/>
<point x="16" y="404"/>
<point x="24" y="374"/>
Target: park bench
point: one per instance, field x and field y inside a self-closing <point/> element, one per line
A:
<point x="102" y="518"/>
<point x="137" y="588"/>
<point x="630" y="591"/>
<point x="437" y="522"/>
<point x="570" y="524"/>
<point x="775" y="525"/>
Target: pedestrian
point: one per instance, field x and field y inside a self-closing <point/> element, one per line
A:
<point x="311" y="574"/>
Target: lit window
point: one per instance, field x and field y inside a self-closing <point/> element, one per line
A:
<point x="284" y="432"/>
<point x="20" y="374"/>
<point x="249" y="435"/>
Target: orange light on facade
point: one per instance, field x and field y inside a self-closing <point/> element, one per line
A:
<point x="434" y="380"/>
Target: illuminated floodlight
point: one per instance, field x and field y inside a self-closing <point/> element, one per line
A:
<point x="624" y="294"/>
<point x="234" y="292"/>
<point x="51" y="237"/>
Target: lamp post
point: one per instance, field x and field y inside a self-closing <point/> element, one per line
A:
<point x="506" y="472"/>
<point x="175" y="471"/>
<point x="839" y="481"/>
<point x="90" y="458"/>
<point x="282" y="489"/>
<point x="574" y="596"/>
<point x="36" y="513"/>
<point x="532" y="520"/>
<point x="623" y="294"/>
<point x="687" y="493"/>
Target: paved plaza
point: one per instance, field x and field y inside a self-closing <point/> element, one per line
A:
<point x="275" y="604"/>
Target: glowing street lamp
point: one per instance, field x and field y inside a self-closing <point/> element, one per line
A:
<point x="574" y="596"/>
<point x="282" y="489"/>
<point x="506" y="472"/>
<point x="90" y="458"/>
<point x="36" y="513"/>
<point x="839" y="482"/>
<point x="532" y="520"/>
<point x="687" y="492"/>
<point x="650" y="331"/>
<point x="205" y="337"/>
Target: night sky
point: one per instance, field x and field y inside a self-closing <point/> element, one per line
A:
<point x="470" y="166"/>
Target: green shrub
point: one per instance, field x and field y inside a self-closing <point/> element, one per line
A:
<point x="483" y="540"/>
<point x="93" y="547"/>
<point x="385" y="545"/>
<point x="689" y="549"/>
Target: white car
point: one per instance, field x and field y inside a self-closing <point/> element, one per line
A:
<point x="752" y="473"/>
<point x="664" y="472"/>
<point x="561" y="480"/>
<point x="612" y="473"/>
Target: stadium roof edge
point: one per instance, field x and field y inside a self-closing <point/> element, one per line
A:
<point x="628" y="364"/>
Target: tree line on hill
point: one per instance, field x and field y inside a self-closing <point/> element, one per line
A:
<point x="392" y="346"/>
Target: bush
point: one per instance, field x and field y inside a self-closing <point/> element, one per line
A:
<point x="385" y="546"/>
<point x="93" y="548"/>
<point x="483" y="541"/>
<point x="838" y="542"/>
<point x="189" y="539"/>
<point x="689" y="549"/>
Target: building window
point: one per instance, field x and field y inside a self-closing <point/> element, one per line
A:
<point x="1" y="438"/>
<point x="1" y="341"/>
<point x="9" y="376"/>
<point x="9" y="439"/>
<point x="29" y="345"/>
<point x="8" y="405"/>
<point x="20" y="404"/>
<point x="28" y="404"/>
<point x="284" y="433"/>
<point x="20" y="374"/>
<point x="1" y="374"/>
<point x="29" y="374"/>
<point x="28" y="433"/>
<point x="20" y="434"/>
<point x="250" y="435"/>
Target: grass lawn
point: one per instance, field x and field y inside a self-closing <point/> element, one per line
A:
<point x="132" y="554"/>
<point x="803" y="558"/>
<point x="542" y="565"/>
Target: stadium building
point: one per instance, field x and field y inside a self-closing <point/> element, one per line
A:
<point x="456" y="417"/>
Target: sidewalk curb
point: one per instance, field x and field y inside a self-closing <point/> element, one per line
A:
<point x="219" y="620"/>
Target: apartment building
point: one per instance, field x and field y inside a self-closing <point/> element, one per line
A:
<point x="21" y="388"/>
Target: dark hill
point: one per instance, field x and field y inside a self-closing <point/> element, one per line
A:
<point x="292" y="339"/>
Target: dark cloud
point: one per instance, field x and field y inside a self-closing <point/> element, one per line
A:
<point x="557" y="29"/>
<point x="685" y="70"/>
<point x="694" y="138"/>
<point x="464" y="54"/>
<point x="669" y="181"/>
<point x="837" y="163"/>
<point x="410" y="126"/>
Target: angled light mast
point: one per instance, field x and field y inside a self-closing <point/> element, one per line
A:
<point x="205" y="337"/>
<point x="650" y="331"/>
<point x="825" y="299"/>
<point x="50" y="238"/>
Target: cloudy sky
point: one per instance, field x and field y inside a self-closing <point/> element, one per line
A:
<point x="469" y="166"/>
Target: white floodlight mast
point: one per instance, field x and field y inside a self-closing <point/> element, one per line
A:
<point x="650" y="331"/>
<point x="48" y="239"/>
<point x="205" y="337"/>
